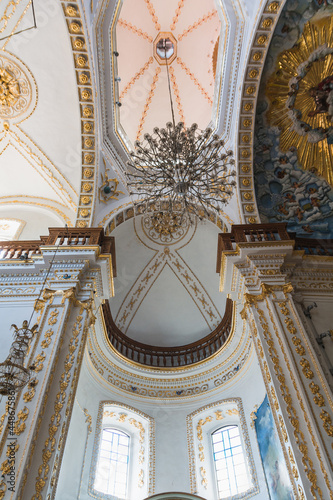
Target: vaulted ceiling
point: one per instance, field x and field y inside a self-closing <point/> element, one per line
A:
<point x="40" y="138"/>
<point x="65" y="68"/>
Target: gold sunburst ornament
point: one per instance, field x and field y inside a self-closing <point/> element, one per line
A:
<point x="9" y="89"/>
<point x="301" y="95"/>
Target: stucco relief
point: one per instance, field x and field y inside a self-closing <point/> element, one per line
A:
<point x="18" y="93"/>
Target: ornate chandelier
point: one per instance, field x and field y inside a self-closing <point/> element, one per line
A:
<point x="183" y="171"/>
<point x="13" y="374"/>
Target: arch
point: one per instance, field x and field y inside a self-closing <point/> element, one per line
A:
<point x="113" y="462"/>
<point x="127" y="211"/>
<point x="140" y="429"/>
<point x="232" y="475"/>
<point x="200" y="425"/>
<point x="175" y="496"/>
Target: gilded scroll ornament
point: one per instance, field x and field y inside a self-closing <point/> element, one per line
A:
<point x="39" y="362"/>
<point x="200" y="424"/>
<point x="19" y="425"/>
<point x="47" y="338"/>
<point x="28" y="396"/>
<point x="204" y="481"/>
<point x="53" y="317"/>
<point x="306" y="368"/>
<point x="60" y="400"/>
<point x="283" y="429"/>
<point x="109" y="188"/>
<point x="3" y="489"/>
<point x="327" y="422"/>
<point x="140" y="482"/>
<point x="285" y="393"/>
<point x="3" y="417"/>
<point x="293" y="463"/>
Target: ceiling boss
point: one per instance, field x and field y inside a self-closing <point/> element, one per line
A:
<point x="183" y="171"/>
<point x="301" y="95"/>
<point x="18" y="92"/>
<point x="9" y="89"/>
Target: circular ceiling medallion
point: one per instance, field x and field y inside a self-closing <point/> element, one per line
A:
<point x="165" y="48"/>
<point x="17" y="88"/>
<point x="164" y="227"/>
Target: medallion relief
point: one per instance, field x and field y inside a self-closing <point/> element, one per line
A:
<point x="17" y="89"/>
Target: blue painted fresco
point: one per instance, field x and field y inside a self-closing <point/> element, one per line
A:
<point x="284" y="191"/>
<point x="277" y="479"/>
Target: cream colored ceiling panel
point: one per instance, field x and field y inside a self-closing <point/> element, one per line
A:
<point x="21" y="177"/>
<point x="168" y="316"/>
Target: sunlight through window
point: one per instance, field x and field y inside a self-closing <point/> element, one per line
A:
<point x="230" y="466"/>
<point x="112" y="466"/>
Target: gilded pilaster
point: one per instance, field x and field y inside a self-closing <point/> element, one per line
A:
<point x="291" y="375"/>
<point x="258" y="273"/>
<point x="49" y="427"/>
<point x="25" y="406"/>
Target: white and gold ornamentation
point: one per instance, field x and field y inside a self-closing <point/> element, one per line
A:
<point x="18" y="93"/>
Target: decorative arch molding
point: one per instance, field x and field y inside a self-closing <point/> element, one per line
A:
<point x="175" y="496"/>
<point x="252" y="76"/>
<point x="127" y="211"/>
<point x="84" y="76"/>
<point x="43" y="203"/>
<point x="10" y="228"/>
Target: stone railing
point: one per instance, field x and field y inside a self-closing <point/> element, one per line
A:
<point x="260" y="233"/>
<point x="59" y="237"/>
<point x="168" y="357"/>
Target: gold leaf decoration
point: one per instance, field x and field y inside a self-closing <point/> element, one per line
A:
<point x="300" y="92"/>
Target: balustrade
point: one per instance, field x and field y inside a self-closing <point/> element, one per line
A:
<point x="59" y="236"/>
<point x="260" y="233"/>
<point x="168" y="357"/>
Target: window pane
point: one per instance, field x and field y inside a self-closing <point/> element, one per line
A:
<point x="231" y="472"/>
<point x="112" y="466"/>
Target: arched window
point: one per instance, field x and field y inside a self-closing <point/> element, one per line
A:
<point x="123" y="454"/>
<point x="112" y="465"/>
<point x="230" y="463"/>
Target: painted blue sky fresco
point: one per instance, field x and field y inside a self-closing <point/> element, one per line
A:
<point x="276" y="473"/>
<point x="285" y="191"/>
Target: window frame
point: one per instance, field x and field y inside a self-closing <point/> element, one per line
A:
<point x="249" y="483"/>
<point x="201" y="423"/>
<point x="140" y="428"/>
<point x="128" y="472"/>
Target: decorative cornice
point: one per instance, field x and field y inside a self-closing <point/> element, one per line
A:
<point x="83" y="72"/>
<point x="175" y="383"/>
<point x="257" y="55"/>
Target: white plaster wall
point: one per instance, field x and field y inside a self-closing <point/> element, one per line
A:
<point x="172" y="457"/>
<point x="11" y="312"/>
<point x="37" y="221"/>
<point x="322" y="320"/>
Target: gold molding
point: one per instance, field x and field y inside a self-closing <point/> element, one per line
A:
<point x="76" y="31"/>
<point x="265" y="29"/>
